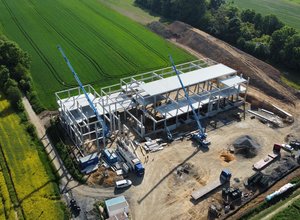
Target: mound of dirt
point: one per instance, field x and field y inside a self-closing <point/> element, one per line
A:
<point x="161" y="29"/>
<point x="226" y="156"/>
<point x="246" y="146"/>
<point x="263" y="76"/>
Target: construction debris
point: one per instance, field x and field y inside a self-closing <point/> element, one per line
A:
<point x="246" y="146"/>
<point x="153" y="145"/>
<point x="267" y="117"/>
<point x="265" y="162"/>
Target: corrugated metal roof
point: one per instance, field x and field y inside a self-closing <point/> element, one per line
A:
<point x="191" y="78"/>
<point x="115" y="201"/>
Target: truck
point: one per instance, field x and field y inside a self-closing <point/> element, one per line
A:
<point x="89" y="163"/>
<point x="134" y="164"/>
<point x="110" y="156"/>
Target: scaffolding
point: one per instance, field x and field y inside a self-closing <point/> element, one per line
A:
<point x="152" y="102"/>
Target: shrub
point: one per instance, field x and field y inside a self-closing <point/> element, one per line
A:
<point x="14" y="95"/>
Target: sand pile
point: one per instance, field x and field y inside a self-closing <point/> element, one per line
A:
<point x="247" y="146"/>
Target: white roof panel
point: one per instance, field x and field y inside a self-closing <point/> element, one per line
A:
<point x="232" y="81"/>
<point x="191" y="78"/>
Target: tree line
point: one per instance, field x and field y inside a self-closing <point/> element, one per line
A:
<point x="265" y="37"/>
<point x="15" y="77"/>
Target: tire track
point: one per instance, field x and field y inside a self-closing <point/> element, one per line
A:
<point x="5" y="168"/>
<point x="99" y="36"/>
<point x="73" y="44"/>
<point x="36" y="48"/>
<point x="128" y="32"/>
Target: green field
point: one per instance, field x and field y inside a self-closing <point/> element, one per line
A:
<point x="287" y="10"/>
<point x="101" y="44"/>
<point x="128" y="8"/>
<point x="290" y="213"/>
<point x="28" y="188"/>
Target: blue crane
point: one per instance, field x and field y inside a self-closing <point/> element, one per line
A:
<point x="106" y="132"/>
<point x="201" y="136"/>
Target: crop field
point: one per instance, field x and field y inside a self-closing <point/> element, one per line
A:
<point x="27" y="185"/>
<point x="287" y="10"/>
<point x="101" y="44"/>
<point x="292" y="212"/>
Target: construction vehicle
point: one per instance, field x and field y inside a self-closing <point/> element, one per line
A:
<point x="130" y="158"/>
<point x="199" y="137"/>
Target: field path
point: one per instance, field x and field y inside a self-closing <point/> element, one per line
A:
<point x="274" y="212"/>
<point x="67" y="185"/>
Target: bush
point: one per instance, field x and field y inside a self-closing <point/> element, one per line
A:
<point x="64" y="152"/>
<point x="34" y="101"/>
<point x="14" y="95"/>
<point x="31" y="130"/>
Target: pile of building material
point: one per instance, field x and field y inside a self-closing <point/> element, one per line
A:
<point x="282" y="167"/>
<point x="265" y="162"/>
<point x="185" y="168"/>
<point x="246" y="146"/>
<point x="267" y="117"/>
<point x="153" y="145"/>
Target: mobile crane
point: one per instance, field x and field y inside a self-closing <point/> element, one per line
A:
<point x="200" y="137"/>
<point x="105" y="129"/>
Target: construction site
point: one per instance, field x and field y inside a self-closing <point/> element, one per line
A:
<point x="185" y="137"/>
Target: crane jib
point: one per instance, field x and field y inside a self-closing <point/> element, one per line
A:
<point x="91" y="104"/>
<point x="187" y="97"/>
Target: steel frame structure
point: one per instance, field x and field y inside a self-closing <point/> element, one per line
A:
<point x="128" y="104"/>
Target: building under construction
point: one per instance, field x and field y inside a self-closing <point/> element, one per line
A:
<point x="151" y="102"/>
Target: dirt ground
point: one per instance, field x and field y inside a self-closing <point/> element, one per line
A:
<point x="265" y="80"/>
<point x="163" y="193"/>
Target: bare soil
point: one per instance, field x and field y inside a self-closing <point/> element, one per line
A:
<point x="264" y="79"/>
<point x="163" y="193"/>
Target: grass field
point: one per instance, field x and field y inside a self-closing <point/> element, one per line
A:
<point x="128" y="8"/>
<point x="27" y="184"/>
<point x="290" y="213"/>
<point x="101" y="44"/>
<point x="287" y="10"/>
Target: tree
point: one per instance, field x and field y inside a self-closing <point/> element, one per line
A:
<point x="4" y="75"/>
<point x="232" y="12"/>
<point x="215" y="4"/>
<point x="278" y="40"/>
<point x="270" y="24"/>
<point x="248" y="15"/>
<point x="241" y="42"/>
<point x="14" y="95"/>
<point x="11" y="55"/>
<point x="248" y="31"/>
<point x="166" y="8"/>
<point x="190" y="11"/>
<point x="262" y="50"/>
<point x="9" y="83"/>
<point x="257" y="20"/>
<point x="155" y="5"/>
<point x="234" y="29"/>
<point x="292" y="52"/>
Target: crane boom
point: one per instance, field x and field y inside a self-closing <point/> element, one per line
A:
<point x="201" y="130"/>
<point x="91" y="104"/>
